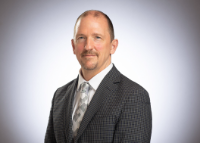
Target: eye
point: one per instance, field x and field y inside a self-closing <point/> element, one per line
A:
<point x="98" y="37"/>
<point x="81" y="37"/>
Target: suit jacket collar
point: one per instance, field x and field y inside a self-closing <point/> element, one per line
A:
<point x="104" y="90"/>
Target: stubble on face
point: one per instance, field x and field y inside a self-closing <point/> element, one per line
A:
<point x="89" y="63"/>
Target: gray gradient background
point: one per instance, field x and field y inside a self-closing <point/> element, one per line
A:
<point x="159" y="47"/>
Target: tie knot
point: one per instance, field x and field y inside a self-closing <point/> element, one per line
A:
<point x="84" y="87"/>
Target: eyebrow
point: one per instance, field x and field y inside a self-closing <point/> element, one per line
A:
<point x="97" y="34"/>
<point x="94" y="34"/>
<point x="80" y="35"/>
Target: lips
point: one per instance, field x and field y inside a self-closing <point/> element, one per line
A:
<point x="88" y="56"/>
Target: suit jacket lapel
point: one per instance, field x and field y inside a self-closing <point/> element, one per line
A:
<point x="100" y="95"/>
<point x="68" y="114"/>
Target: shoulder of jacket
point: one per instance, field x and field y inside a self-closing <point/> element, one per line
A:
<point x="134" y="90"/>
<point x="63" y="88"/>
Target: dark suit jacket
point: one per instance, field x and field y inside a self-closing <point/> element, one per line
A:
<point x="119" y="112"/>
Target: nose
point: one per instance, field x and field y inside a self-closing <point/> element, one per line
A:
<point x="89" y="44"/>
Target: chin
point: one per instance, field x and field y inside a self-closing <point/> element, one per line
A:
<point x="89" y="66"/>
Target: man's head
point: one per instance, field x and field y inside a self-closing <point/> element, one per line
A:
<point x="93" y="41"/>
<point x="97" y="13"/>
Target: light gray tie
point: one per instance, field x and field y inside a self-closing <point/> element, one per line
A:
<point x="82" y="106"/>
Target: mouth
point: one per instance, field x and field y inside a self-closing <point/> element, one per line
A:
<point x="89" y="55"/>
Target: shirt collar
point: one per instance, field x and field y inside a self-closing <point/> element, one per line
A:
<point x="96" y="80"/>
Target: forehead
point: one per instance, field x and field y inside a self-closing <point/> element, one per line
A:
<point x="91" y="22"/>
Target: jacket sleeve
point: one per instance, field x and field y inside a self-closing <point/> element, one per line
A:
<point x="135" y="122"/>
<point x="50" y="136"/>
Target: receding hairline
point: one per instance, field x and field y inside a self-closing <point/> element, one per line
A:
<point x="97" y="13"/>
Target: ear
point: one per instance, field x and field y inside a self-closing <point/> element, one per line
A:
<point x="73" y="45"/>
<point x="114" y="45"/>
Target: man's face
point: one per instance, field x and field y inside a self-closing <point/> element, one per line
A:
<point x="91" y="44"/>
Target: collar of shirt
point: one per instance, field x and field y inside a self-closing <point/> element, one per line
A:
<point x="96" y="80"/>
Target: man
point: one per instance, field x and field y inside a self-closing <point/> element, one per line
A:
<point x="100" y="105"/>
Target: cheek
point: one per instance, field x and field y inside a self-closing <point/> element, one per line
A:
<point x="102" y="49"/>
<point x="79" y="48"/>
<point x="99" y="47"/>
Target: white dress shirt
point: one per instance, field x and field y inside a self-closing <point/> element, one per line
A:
<point x="94" y="84"/>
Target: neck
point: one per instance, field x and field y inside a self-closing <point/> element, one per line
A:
<point x="89" y="74"/>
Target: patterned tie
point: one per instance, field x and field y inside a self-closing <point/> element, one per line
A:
<point x="82" y="106"/>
